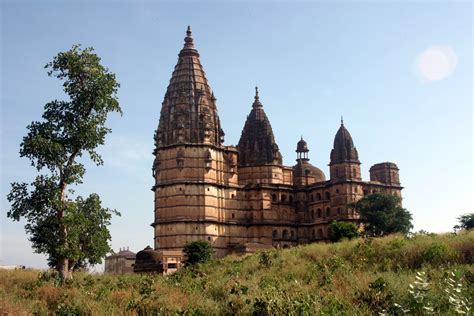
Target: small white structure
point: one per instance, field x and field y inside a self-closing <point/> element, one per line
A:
<point x="12" y="267"/>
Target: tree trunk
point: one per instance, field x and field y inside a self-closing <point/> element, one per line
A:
<point x="63" y="263"/>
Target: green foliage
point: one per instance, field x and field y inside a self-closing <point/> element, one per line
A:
<point x="342" y="230"/>
<point x="466" y="221"/>
<point x="71" y="232"/>
<point x="198" y="252"/>
<point x="377" y="297"/>
<point x="382" y="214"/>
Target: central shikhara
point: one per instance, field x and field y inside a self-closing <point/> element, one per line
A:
<point x="241" y="198"/>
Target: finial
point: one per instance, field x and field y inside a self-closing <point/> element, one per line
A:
<point x="301" y="137"/>
<point x="256" y="103"/>
<point x="342" y="120"/>
<point x="188" y="41"/>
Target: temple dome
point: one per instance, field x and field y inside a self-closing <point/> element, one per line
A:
<point x="304" y="169"/>
<point x="257" y="144"/>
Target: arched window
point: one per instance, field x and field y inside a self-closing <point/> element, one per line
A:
<point x="366" y="192"/>
<point x="318" y="197"/>
<point x="275" y="234"/>
<point x="292" y="234"/>
<point x="337" y="191"/>
<point x="327" y="195"/>
<point x="320" y="233"/>
<point x="354" y="172"/>
<point x="314" y="234"/>
<point x="291" y="198"/>
<point x="312" y="198"/>
<point x="283" y="198"/>
<point x="339" y="210"/>
<point x="320" y="212"/>
<point x="285" y="234"/>
<point x="312" y="214"/>
<point x="274" y="197"/>
<point x="328" y="212"/>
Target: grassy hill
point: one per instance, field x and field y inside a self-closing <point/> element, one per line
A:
<point x="418" y="275"/>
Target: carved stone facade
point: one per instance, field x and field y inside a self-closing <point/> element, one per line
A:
<point x="242" y="198"/>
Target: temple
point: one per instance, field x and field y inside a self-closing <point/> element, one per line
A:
<point x="242" y="198"/>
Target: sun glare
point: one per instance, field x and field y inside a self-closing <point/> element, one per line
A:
<point x="436" y="63"/>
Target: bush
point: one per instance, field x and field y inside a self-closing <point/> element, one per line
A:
<point x="342" y="230"/>
<point x="198" y="252"/>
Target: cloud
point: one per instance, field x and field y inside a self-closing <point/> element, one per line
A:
<point x="436" y="63"/>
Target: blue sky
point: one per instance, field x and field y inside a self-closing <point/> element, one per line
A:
<point x="400" y="73"/>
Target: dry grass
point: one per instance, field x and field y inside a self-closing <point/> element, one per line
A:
<point x="357" y="277"/>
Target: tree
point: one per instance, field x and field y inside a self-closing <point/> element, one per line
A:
<point x="198" y="252"/>
<point x="382" y="214"/>
<point x="70" y="232"/>
<point x="466" y="221"/>
<point x="341" y="230"/>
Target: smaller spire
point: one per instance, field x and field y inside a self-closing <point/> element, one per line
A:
<point x="257" y="102"/>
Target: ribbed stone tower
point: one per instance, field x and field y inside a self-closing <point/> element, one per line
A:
<point x="195" y="174"/>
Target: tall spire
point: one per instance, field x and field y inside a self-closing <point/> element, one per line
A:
<point x="189" y="111"/>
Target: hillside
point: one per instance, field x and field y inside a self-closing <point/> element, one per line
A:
<point x="358" y="277"/>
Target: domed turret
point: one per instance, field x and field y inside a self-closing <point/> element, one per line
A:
<point x="302" y="149"/>
<point x="257" y="144"/>
<point x="305" y="173"/>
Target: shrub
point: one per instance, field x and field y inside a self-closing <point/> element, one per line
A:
<point x="342" y="230"/>
<point x="198" y="252"/>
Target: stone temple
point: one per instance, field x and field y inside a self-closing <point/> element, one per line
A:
<point x="242" y="198"/>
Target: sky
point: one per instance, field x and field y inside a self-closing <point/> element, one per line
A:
<point x="400" y="73"/>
